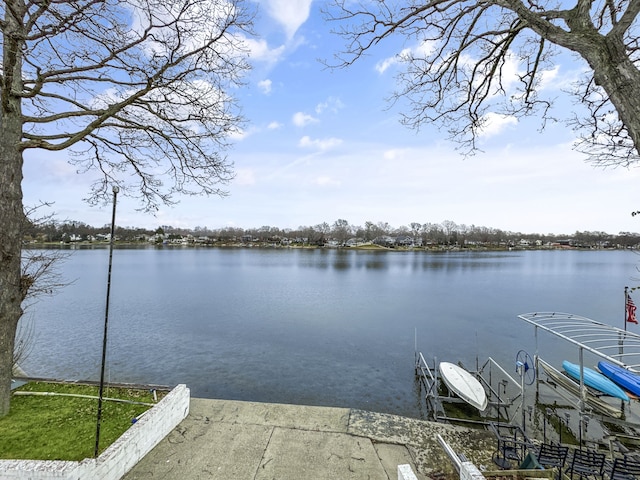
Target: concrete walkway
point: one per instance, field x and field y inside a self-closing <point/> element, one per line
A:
<point x="232" y="440"/>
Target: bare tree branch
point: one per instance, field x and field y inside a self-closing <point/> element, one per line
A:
<point x="140" y="92"/>
<point x="90" y="76"/>
<point x="455" y="75"/>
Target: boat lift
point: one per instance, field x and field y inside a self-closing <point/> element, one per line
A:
<point x="492" y="377"/>
<point x="614" y="345"/>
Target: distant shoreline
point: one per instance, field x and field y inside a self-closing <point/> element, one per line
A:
<point x="266" y="246"/>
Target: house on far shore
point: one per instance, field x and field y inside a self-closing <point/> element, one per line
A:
<point x="404" y="241"/>
<point x="384" y="241"/>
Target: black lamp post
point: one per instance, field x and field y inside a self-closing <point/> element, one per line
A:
<point x="106" y="322"/>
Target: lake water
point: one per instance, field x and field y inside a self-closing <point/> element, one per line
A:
<point x="318" y="327"/>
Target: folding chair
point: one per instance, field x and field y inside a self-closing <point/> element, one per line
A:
<point x="586" y="463"/>
<point x="625" y="468"/>
<point x="512" y="444"/>
<point x="552" y="455"/>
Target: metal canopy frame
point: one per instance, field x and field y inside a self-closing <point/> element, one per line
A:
<point x="612" y="344"/>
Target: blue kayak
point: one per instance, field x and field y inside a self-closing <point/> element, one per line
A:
<point x="595" y="380"/>
<point x="620" y="375"/>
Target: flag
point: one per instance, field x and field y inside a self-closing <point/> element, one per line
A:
<point x="631" y="311"/>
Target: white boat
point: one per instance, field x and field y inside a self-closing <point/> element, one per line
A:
<point x="463" y="384"/>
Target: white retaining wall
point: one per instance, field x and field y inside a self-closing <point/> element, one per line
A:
<point x="121" y="456"/>
<point x="405" y="472"/>
<point x="469" y="471"/>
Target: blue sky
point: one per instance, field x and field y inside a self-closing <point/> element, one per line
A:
<point x="321" y="145"/>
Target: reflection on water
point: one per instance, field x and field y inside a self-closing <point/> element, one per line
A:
<point x="413" y="262"/>
<point x="311" y="326"/>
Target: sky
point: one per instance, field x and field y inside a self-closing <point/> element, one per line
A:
<point x="325" y="144"/>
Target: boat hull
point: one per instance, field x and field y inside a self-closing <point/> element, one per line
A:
<point x="463" y="384"/>
<point x="595" y="380"/>
<point x="620" y="375"/>
<point x="572" y="387"/>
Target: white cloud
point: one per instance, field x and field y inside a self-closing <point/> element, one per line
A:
<point x="320" y="144"/>
<point x="559" y="78"/>
<point x="495" y="123"/>
<point x="405" y="54"/>
<point x="245" y="176"/>
<point x="274" y="125"/>
<point x="332" y="104"/>
<point x="425" y="48"/>
<point x="198" y="22"/>
<point x="511" y="73"/>
<point x="259" y="50"/>
<point x="326" y="181"/>
<point x="383" y="65"/>
<point x="301" y="119"/>
<point x="291" y="14"/>
<point x="238" y="134"/>
<point x="181" y="101"/>
<point x="393" y="154"/>
<point x="265" y="86"/>
<point x="422" y="50"/>
<point x="549" y="77"/>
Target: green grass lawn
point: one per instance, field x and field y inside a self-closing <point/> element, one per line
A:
<point x="63" y="427"/>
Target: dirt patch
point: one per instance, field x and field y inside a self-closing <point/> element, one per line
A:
<point x="421" y="438"/>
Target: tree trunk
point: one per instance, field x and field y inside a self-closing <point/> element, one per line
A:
<point x="11" y="222"/>
<point x="613" y="69"/>
<point x="11" y="208"/>
<point x="616" y="73"/>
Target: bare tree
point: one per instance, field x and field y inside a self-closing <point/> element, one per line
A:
<point x="341" y="231"/>
<point x="137" y="90"/>
<point x="383" y="228"/>
<point x="40" y="277"/>
<point x="415" y="229"/>
<point x="322" y="231"/>
<point x="369" y="231"/>
<point x="458" y="75"/>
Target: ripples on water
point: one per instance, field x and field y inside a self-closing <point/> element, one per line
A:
<point x="321" y="327"/>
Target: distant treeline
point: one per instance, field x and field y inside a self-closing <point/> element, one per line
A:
<point x="447" y="233"/>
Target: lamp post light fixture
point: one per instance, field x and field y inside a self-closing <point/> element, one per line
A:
<point x="106" y="321"/>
